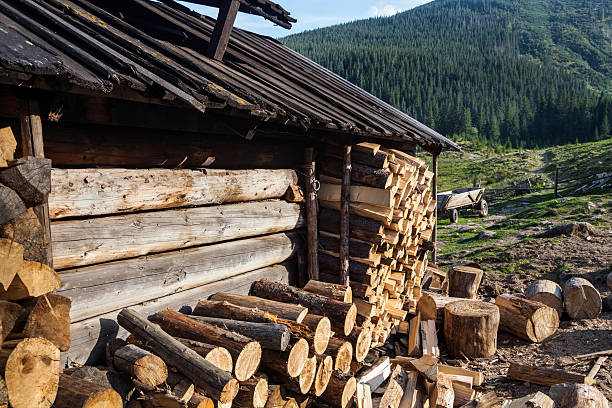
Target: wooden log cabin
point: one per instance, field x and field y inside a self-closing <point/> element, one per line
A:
<point x="173" y="139"/>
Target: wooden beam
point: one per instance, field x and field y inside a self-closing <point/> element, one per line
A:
<point x="434" y="194"/>
<point x="223" y="29"/>
<point x="344" y="218"/>
<point x="311" y="215"/>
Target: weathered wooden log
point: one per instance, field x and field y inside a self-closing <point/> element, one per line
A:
<point x="30" y="180"/>
<point x="11" y="205"/>
<point x="87" y="192"/>
<point x="358" y="271"/>
<point x="464" y="281"/>
<point x="342" y="351"/>
<point x="217" y="383"/>
<point x="583" y="396"/>
<point x="320" y="326"/>
<point x="29" y="232"/>
<point x="98" y="289"/>
<point x="245" y="352"/>
<point x="50" y="319"/>
<point x="370" y="176"/>
<point x="271" y="336"/>
<point x="580" y="299"/>
<point x="33" y="279"/>
<point x="344" y="250"/>
<point x="144" y="367"/>
<point x="289" y="362"/>
<point x="470" y="327"/>
<point x="357" y="249"/>
<point x="325" y="367"/>
<point x="9" y="314"/>
<point x="544" y="376"/>
<point x="11" y="258"/>
<point x="312" y="230"/>
<point x="77" y="393"/>
<point x="360" y="227"/>
<point x="340" y="312"/>
<point x="331" y="290"/>
<point x="340" y="390"/>
<point x="95" y="240"/>
<point x="527" y="319"/>
<point x="282" y="310"/>
<point x="252" y="393"/>
<point x="547" y="292"/>
<point x="32" y="373"/>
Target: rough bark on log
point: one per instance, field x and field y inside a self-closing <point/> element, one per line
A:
<point x="32" y="374"/>
<point x="332" y="290"/>
<point x="547" y="292"/>
<point x="217" y="383"/>
<point x="29" y="232"/>
<point x="342" y="351"/>
<point x="245" y="352"/>
<point x="146" y="368"/>
<point x="30" y="180"/>
<point x="11" y="258"/>
<point x="527" y="319"/>
<point x="77" y="393"/>
<point x="340" y="390"/>
<point x="320" y="326"/>
<point x="11" y="205"/>
<point x="340" y="312"/>
<point x="581" y="299"/>
<point x="583" y="396"/>
<point x="378" y="160"/>
<point x="289" y="362"/>
<point x="370" y="176"/>
<point x="282" y="310"/>
<point x="252" y="393"/>
<point x="88" y="192"/>
<point x="119" y="382"/>
<point x="360" y="227"/>
<point x="545" y="376"/>
<point x="50" y="319"/>
<point x="464" y="281"/>
<point x="9" y="314"/>
<point x="470" y="327"/>
<point x="33" y="279"/>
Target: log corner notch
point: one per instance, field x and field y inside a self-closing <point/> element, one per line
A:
<point x="223" y="29"/>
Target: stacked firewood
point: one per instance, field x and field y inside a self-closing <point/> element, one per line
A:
<point x="391" y="223"/>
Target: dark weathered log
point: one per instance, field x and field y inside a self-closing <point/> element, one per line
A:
<point x="464" y="281"/>
<point x="311" y="214"/>
<point x="9" y="314"/>
<point x="340" y="390"/>
<point x="370" y="176"/>
<point x="30" y="180"/>
<point x="217" y="383"/>
<point x="245" y="352"/>
<point x="119" y="382"/>
<point x="544" y="376"/>
<point x="581" y="299"/>
<point x="77" y="393"/>
<point x="289" y="362"/>
<point x="11" y="205"/>
<point x="29" y="232"/>
<point x="332" y="290"/>
<point x="253" y="393"/>
<point x="527" y="319"/>
<point x="282" y="310"/>
<point x="144" y="367"/>
<point x="342" y="351"/>
<point x="11" y="258"/>
<point x="358" y="272"/>
<point x="362" y="228"/>
<point x="272" y="336"/>
<point x="50" y="319"/>
<point x="547" y="292"/>
<point x="340" y="312"/>
<point x="470" y="327"/>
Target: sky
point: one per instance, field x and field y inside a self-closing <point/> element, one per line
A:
<point x="313" y="14"/>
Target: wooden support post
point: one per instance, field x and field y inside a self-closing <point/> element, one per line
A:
<point x="344" y="218"/>
<point x="32" y="145"/>
<point x="223" y="29"/>
<point x="311" y="215"/>
<point x="556" y="182"/>
<point x="434" y="193"/>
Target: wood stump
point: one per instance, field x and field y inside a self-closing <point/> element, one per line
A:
<point x="583" y="396"/>
<point x="581" y="299"/>
<point x="547" y="292"/>
<point x="527" y="319"/>
<point x="464" y="281"/>
<point x="76" y="393"/>
<point x="470" y="327"/>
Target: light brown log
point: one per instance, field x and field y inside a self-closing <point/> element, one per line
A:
<point x="289" y="362"/>
<point x="370" y="176"/>
<point x="32" y="373"/>
<point x="252" y="393"/>
<point x="217" y="383"/>
<point x="200" y="401"/>
<point x="8" y="144"/>
<point x="477" y="377"/>
<point x="431" y="306"/>
<point x="77" y="393"/>
<point x="583" y="396"/>
<point x="9" y="314"/>
<point x="342" y="313"/>
<point x="464" y="281"/>
<point x="331" y="290"/>
<point x="50" y="319"/>
<point x="361" y="339"/>
<point x="29" y="232"/>
<point x="426" y="366"/>
<point x="11" y="205"/>
<point x="470" y="327"/>
<point x="11" y="258"/>
<point x="325" y="367"/>
<point x="87" y="192"/>
<point x="282" y="310"/>
<point x="143" y="366"/>
<point x="33" y="279"/>
<point x="342" y="351"/>
<point x="395" y="389"/>
<point x="544" y="376"/>
<point x="527" y="319"/>
<point x="580" y="299"/>
<point x="181" y="387"/>
<point x="463" y="393"/>
<point x="307" y="376"/>
<point x="340" y="390"/>
<point x="320" y="326"/>
<point x="535" y="400"/>
<point x="443" y="395"/>
<point x="30" y="180"/>
<point x="245" y="352"/>
<point x="547" y="292"/>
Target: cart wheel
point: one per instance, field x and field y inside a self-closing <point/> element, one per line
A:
<point x="484" y="208"/>
<point x="453" y="216"/>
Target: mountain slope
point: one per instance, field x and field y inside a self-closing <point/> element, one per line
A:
<point x="496" y="71"/>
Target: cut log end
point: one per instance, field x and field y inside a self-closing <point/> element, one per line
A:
<point x="363" y="343"/>
<point x="248" y="361"/>
<point x="581" y="299"/>
<point x="323" y="374"/>
<point x="260" y="395"/>
<point x="351" y="318"/>
<point x="470" y="327"/>
<point x="298" y="357"/>
<point x="344" y="356"/>
<point x="220" y="358"/>
<point x="308" y="374"/>
<point x="77" y="393"/>
<point x="321" y="336"/>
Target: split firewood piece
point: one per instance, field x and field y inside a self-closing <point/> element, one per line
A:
<point x="27" y="231"/>
<point x="411" y="397"/>
<point x="527" y="319"/>
<point x="8" y="144"/>
<point x="11" y="258"/>
<point x="11" y="205"/>
<point x="217" y="383"/>
<point x="331" y="290"/>
<point x="581" y="299"/>
<point x="50" y="319"/>
<point x="342" y="351"/>
<point x="414" y="336"/>
<point x="395" y="389"/>
<point x="377" y="374"/>
<point x="289" y="362"/>
<point x="200" y="401"/>
<point x="32" y="373"/>
<point x="477" y="378"/>
<point x="537" y="400"/>
<point x="325" y="367"/>
<point x="33" y="279"/>
<point x="464" y="281"/>
<point x="245" y="352"/>
<point x="340" y="390"/>
<point x="463" y="393"/>
<point x="427" y="366"/>
<point x="30" y="180"/>
<point x="470" y="327"/>
<point x="545" y="376"/>
<point x="272" y="336"/>
<point x="583" y="396"/>
<point x="9" y="314"/>
<point x="338" y="312"/>
<point x="429" y="338"/>
<point x="282" y="310"/>
<point x="547" y="292"/>
<point x="144" y="367"/>
<point x="77" y="393"/>
<point x="252" y="393"/>
<point x="363" y="396"/>
<point x="487" y="400"/>
<point x="443" y="395"/>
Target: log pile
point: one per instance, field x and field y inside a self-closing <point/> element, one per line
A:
<point x="391" y="220"/>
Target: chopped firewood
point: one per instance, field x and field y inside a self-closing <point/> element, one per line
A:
<point x="470" y="328"/>
<point x="544" y="376"/>
<point x="429" y="338"/>
<point x="427" y="366"/>
<point x="487" y="400"/>
<point x="50" y="319"/>
<point x="414" y="337"/>
<point x="30" y="180"/>
<point x="342" y="351"/>
<point x="200" y="401"/>
<point x="477" y="377"/>
<point x="252" y="393"/>
<point x="340" y="390"/>
<point x="527" y="319"/>
<point x="33" y="279"/>
<point x="581" y="299"/>
<point x="9" y="314"/>
<point x="289" y="362"/>
<point x="463" y="393"/>
<point x="11" y="258"/>
<point x="8" y="144"/>
<point x="377" y="374"/>
<point x="395" y="389"/>
<point x="443" y="395"/>
<point x="537" y="400"/>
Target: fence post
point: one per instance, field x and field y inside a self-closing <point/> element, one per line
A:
<point x="556" y="182"/>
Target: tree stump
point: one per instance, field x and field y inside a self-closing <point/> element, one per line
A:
<point x="464" y="281"/>
<point x="470" y="327"/>
<point x="547" y="292"/>
<point x="581" y="299"/>
<point x="527" y="319"/>
<point x="583" y="396"/>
